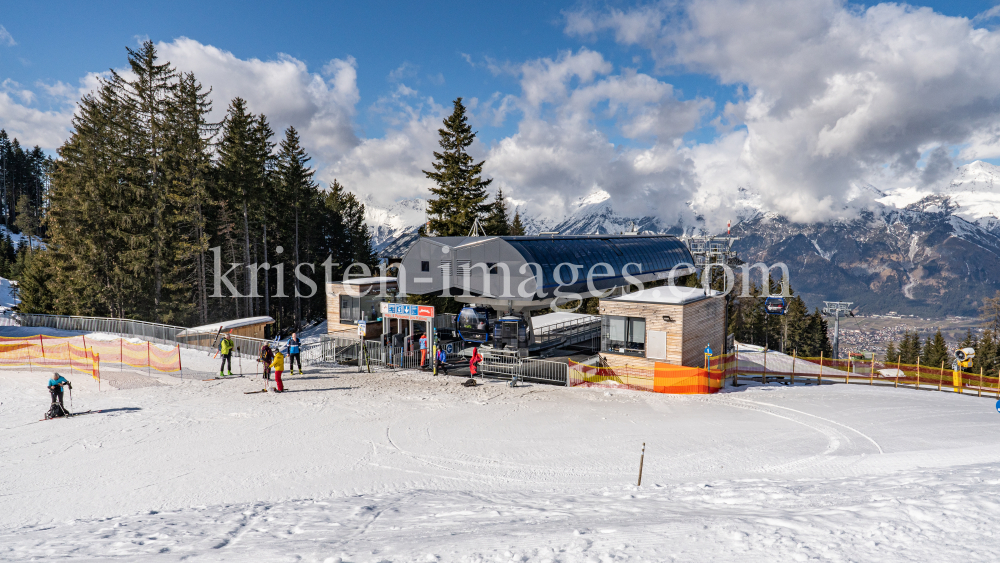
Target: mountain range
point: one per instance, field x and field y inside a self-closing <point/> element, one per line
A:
<point x="922" y="252"/>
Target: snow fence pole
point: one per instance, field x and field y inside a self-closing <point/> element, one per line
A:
<point x="795" y="354"/>
<point x="642" y="457"/>
<point x="980" y="394"/>
<point x="918" y="373"/>
<point x="181" y="367"/>
<point x="820" y="381"/>
<point x="148" y="372"/>
<point x="941" y="375"/>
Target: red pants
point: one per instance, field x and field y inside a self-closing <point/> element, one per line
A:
<point x="277" y="380"/>
<point x="423" y="357"/>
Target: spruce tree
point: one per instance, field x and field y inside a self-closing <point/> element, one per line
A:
<point x="460" y="194"/>
<point x="516" y="227"/>
<point x="891" y="355"/>
<point x="497" y="223"/>
<point x="296" y="185"/>
<point x="936" y="351"/>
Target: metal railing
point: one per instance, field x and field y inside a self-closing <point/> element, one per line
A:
<point x="243" y="346"/>
<point x="507" y="364"/>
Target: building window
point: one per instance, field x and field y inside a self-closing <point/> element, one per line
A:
<point x="354" y="309"/>
<point x="623" y="335"/>
<point x="425" y="266"/>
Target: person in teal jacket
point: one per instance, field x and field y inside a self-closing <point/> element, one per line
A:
<point x="56" y="388"/>
<point x="226" y="348"/>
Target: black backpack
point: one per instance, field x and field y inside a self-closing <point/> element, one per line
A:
<point x="55" y="411"/>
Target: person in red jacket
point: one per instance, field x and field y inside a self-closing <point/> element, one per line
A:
<point x="474" y="362"/>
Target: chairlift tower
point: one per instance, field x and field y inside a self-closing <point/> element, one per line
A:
<point x="837" y="309"/>
<point x="708" y="250"/>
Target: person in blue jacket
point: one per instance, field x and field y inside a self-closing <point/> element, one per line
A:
<point x="56" y="388"/>
<point x="293" y="354"/>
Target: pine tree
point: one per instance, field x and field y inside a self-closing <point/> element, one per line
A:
<point x="497" y="223"/>
<point x="244" y="150"/>
<point x="891" y="355"/>
<point x="150" y="94"/>
<point x="189" y="177"/>
<point x="516" y="227"/>
<point x="461" y="191"/>
<point x="295" y="180"/>
<point x="935" y="351"/>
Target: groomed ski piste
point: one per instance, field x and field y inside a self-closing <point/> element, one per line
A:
<point x="406" y="466"/>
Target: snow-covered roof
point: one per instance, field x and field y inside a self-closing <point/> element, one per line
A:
<point x="228" y="325"/>
<point x="667" y="295"/>
<point x="371" y="281"/>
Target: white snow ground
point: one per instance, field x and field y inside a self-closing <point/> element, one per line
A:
<point x="405" y="466"/>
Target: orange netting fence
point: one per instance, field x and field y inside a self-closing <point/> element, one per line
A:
<point x="44" y="355"/>
<point x="74" y="351"/>
<point x="663" y="378"/>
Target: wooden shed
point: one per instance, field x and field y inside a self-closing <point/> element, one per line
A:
<point x="668" y="324"/>
<point x="252" y="327"/>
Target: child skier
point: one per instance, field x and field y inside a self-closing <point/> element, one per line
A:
<point x="266" y="357"/>
<point x="278" y="365"/>
<point x="226" y="348"/>
<point x="293" y="353"/>
<point x="442" y="361"/>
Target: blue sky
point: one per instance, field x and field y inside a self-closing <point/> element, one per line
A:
<point x="409" y="60"/>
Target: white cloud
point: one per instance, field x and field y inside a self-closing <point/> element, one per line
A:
<point x="6" y="38"/>
<point x="320" y="105"/>
<point x="837" y="96"/>
<point x="32" y="126"/>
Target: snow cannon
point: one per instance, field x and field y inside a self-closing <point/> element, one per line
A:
<point x="963" y="359"/>
<point x="964" y="356"/>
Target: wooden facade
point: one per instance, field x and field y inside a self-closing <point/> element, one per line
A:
<point x="690" y="327"/>
<point x="354" y="288"/>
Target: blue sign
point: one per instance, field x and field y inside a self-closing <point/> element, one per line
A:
<point x="449" y="351"/>
<point x="708" y="349"/>
<point x="998" y="406"/>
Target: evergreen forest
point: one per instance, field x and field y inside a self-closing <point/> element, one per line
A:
<point x="148" y="201"/>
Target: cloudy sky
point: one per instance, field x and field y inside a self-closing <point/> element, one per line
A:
<point x="670" y="107"/>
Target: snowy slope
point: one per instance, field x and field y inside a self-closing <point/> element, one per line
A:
<point x="8" y="294"/>
<point x="404" y="466"/>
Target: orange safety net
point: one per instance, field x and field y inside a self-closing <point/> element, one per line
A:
<point x="664" y="378"/>
<point x="50" y="350"/>
<point x="37" y="353"/>
<point x="683" y="380"/>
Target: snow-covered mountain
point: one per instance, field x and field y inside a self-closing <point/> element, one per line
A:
<point x="913" y="250"/>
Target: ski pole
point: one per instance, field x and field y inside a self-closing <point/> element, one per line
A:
<point x="71" y="397"/>
<point x="240" y="359"/>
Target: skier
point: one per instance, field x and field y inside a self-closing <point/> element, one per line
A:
<point x="266" y="357"/>
<point x="474" y="362"/>
<point x="442" y="361"/>
<point x="56" y="390"/>
<point x="226" y="348"/>
<point x="423" y="350"/>
<point x="279" y="365"/>
<point x="293" y="354"/>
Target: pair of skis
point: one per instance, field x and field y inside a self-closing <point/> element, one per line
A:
<point x="71" y="415"/>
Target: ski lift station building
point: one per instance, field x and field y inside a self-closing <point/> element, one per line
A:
<point x="527" y="273"/>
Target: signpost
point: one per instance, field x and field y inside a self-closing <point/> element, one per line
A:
<point x="708" y="356"/>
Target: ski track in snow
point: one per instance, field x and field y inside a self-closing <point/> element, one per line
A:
<point x="404" y="466"/>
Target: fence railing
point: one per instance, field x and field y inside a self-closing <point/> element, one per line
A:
<point x="244" y="346"/>
<point x="772" y="367"/>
